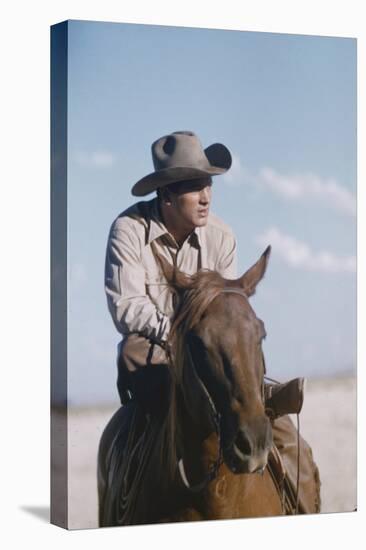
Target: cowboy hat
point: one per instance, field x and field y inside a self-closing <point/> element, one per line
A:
<point x="180" y="156"/>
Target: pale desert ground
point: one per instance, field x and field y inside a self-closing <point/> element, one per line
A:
<point x="327" y="421"/>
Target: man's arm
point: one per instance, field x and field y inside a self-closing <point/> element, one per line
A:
<point x="131" y="309"/>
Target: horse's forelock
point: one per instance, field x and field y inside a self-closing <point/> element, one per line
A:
<point x="198" y="291"/>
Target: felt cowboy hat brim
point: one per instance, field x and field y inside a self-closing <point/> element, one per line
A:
<point x="179" y="157"/>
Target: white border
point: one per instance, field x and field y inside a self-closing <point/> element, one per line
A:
<point x="25" y="263"/>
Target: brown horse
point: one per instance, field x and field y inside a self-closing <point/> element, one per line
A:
<point x="198" y="457"/>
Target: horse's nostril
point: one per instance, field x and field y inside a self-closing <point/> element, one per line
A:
<point x="243" y="443"/>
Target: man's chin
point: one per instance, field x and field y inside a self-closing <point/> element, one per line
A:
<point x="201" y="221"/>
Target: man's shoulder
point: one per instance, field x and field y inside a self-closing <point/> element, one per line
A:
<point x="137" y="215"/>
<point x="216" y="225"/>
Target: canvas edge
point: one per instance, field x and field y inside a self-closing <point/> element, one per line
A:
<point x="58" y="199"/>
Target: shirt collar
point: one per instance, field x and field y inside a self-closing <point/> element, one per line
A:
<point x="156" y="226"/>
<point x="195" y="237"/>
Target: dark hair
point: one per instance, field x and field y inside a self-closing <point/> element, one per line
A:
<point x="177" y="186"/>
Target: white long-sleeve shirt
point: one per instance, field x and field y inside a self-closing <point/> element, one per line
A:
<point x="138" y="297"/>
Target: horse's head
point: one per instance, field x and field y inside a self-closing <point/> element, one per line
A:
<point x="226" y="349"/>
<point x="221" y="337"/>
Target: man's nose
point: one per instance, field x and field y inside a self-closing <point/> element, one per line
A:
<point x="205" y="194"/>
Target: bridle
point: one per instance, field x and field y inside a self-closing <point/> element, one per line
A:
<point x="216" y="416"/>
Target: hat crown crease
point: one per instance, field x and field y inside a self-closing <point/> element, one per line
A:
<point x="184" y="150"/>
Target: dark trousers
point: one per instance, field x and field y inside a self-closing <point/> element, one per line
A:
<point x="143" y="372"/>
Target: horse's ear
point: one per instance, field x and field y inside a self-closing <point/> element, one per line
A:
<point x="251" y="278"/>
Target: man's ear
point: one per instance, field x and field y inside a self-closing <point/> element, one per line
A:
<point x="251" y="278"/>
<point x="165" y="196"/>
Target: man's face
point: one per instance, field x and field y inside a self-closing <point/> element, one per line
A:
<point x="190" y="201"/>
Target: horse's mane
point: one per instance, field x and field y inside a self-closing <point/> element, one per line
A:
<point x="196" y="292"/>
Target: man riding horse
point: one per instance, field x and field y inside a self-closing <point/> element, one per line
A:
<point x="177" y="226"/>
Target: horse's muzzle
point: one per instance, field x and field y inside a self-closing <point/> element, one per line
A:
<point x="248" y="453"/>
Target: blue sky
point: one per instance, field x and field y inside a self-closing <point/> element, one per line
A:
<point x="285" y="106"/>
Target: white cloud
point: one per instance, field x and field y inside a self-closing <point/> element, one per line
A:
<point x="295" y="187"/>
<point x="98" y="159"/>
<point x="301" y="186"/>
<point x="298" y="254"/>
<point x="237" y="175"/>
